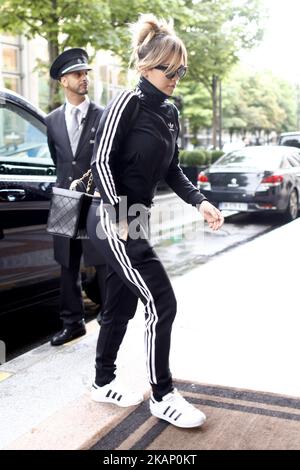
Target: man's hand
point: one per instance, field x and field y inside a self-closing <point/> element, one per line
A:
<point x="212" y="215"/>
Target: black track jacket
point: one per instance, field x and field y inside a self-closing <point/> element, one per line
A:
<point x="135" y="147"/>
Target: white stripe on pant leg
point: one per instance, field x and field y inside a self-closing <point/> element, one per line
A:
<point x="105" y="145"/>
<point x="151" y="335"/>
<point x="113" y="238"/>
<point x="134" y="276"/>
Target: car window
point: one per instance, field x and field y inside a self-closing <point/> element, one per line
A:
<point x="296" y="157"/>
<point x="290" y="141"/>
<point x="252" y="157"/>
<point x="286" y="164"/>
<point x="293" y="160"/>
<point x="23" y="143"/>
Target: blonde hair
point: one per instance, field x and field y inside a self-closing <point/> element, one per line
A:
<point x="155" y="43"/>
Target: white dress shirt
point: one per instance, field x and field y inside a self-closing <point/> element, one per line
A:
<point x="83" y="108"/>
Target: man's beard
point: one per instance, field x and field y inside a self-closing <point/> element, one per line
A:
<point x="82" y="92"/>
<point x="79" y="90"/>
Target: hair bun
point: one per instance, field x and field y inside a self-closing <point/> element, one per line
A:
<point x="147" y="27"/>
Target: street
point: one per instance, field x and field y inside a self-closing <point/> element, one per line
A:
<point x="180" y="254"/>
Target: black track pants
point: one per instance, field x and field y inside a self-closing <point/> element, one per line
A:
<point x="134" y="271"/>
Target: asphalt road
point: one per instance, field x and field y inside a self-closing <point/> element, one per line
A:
<point x="185" y="251"/>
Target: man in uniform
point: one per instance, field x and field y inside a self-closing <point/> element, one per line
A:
<point x="71" y="129"/>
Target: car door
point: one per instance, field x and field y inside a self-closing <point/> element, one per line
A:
<point x="28" y="272"/>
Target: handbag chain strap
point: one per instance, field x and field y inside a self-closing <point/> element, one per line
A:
<point x="90" y="180"/>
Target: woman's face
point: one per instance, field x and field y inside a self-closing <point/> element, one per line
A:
<point x="159" y="79"/>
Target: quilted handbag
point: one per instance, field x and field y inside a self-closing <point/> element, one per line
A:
<point x="68" y="212"/>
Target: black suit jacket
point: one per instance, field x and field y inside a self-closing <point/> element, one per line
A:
<point x="69" y="168"/>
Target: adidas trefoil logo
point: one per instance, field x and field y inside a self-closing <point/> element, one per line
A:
<point x="171" y="126"/>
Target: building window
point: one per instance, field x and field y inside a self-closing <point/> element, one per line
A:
<point x="10" y="62"/>
<point x="12" y="83"/>
<point x="10" y="59"/>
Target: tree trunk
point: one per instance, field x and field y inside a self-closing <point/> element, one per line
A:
<point x="215" y="111"/>
<point x="53" y="51"/>
<point x="220" y="114"/>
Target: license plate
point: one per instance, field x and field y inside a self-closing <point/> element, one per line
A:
<point x="233" y="206"/>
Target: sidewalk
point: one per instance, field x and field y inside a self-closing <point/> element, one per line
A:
<point x="238" y="325"/>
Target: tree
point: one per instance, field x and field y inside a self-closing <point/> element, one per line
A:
<point x="218" y="32"/>
<point x="103" y="24"/>
<point x="196" y="108"/>
<point x="62" y="23"/>
<point x="213" y="30"/>
<point x="258" y="102"/>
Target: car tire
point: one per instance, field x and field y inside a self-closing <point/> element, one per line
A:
<point x="293" y="207"/>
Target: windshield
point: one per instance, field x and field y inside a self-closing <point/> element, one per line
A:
<point x="253" y="157"/>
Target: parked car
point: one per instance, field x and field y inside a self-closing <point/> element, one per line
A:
<point x="28" y="272"/>
<point x="255" y="179"/>
<point x="290" y="139"/>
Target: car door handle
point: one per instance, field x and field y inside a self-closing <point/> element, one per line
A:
<point x="12" y="195"/>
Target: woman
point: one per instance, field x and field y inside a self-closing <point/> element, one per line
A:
<point x="136" y="147"/>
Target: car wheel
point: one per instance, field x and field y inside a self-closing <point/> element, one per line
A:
<point x="292" y="208"/>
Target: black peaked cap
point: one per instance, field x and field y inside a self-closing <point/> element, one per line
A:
<point x="69" y="61"/>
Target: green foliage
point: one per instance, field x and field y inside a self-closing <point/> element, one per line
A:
<point x="78" y="23"/>
<point x="214" y="36"/>
<point x="192" y="157"/>
<point x="102" y="24"/>
<point x="258" y="100"/>
<point x="216" y="33"/>
<point x="215" y="155"/>
<point x="199" y="157"/>
<point x="196" y="106"/>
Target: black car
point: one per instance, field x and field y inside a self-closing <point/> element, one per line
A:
<point x="255" y="179"/>
<point x="290" y="139"/>
<point x="28" y="273"/>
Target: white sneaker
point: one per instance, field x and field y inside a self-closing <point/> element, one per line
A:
<point x="176" y="410"/>
<point x="116" y="393"/>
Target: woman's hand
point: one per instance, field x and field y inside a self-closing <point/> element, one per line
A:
<point x="212" y="215"/>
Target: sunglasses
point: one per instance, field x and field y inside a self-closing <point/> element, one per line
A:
<point x="181" y="71"/>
